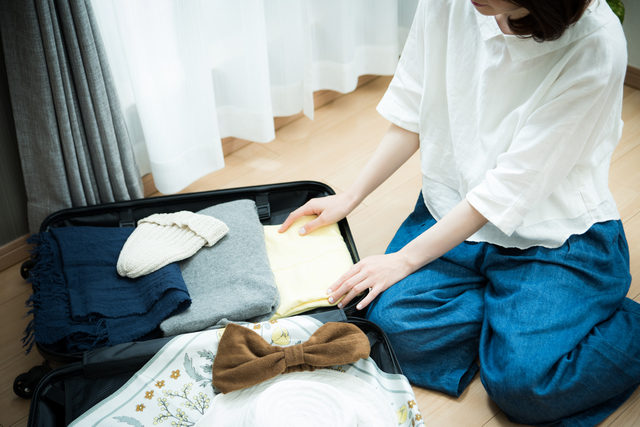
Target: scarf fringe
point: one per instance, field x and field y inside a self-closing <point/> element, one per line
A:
<point x="102" y="334"/>
<point x="46" y="282"/>
<point x="97" y="339"/>
<point x="50" y="303"/>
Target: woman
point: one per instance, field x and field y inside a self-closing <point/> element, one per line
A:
<point x="515" y="251"/>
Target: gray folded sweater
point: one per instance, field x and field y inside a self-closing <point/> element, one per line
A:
<point x="230" y="280"/>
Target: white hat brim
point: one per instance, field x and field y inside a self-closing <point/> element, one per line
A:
<point x="324" y="397"/>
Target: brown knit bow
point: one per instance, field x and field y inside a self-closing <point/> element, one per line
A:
<point x="245" y="359"/>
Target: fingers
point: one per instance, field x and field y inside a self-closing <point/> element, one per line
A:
<point x="293" y="216"/>
<point x="338" y="289"/>
<point x="312" y="225"/>
<point x="330" y="209"/>
<point x="353" y="293"/>
<point x="373" y="293"/>
<point x="348" y="286"/>
<point x="376" y="273"/>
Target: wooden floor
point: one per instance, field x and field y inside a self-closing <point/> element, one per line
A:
<point x="333" y="149"/>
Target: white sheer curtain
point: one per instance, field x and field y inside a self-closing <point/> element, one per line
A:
<point x="190" y="72"/>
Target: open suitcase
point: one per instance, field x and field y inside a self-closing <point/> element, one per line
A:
<point x="69" y="391"/>
<point x="274" y="203"/>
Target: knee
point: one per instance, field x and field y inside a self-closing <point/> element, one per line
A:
<point x="382" y="313"/>
<point x="396" y="321"/>
<point x="415" y="322"/>
<point x="508" y="383"/>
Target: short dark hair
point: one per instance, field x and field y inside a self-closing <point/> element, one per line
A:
<point x="547" y="19"/>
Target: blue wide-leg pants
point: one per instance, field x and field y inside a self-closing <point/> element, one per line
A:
<point x="556" y="337"/>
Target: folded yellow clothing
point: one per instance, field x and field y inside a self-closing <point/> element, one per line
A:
<point x="305" y="266"/>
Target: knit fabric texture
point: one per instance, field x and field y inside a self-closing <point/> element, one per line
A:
<point x="161" y="239"/>
<point x="79" y="300"/>
<point x="231" y="280"/>
<point x="305" y="266"/>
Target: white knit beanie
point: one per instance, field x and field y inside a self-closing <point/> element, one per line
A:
<point x="161" y="239"/>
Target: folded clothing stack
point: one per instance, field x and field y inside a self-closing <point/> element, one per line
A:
<point x="306" y="266"/>
<point x="230" y="280"/>
<point x="80" y="300"/>
<point x="235" y="269"/>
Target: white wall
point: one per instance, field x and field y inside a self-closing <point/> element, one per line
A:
<point x="631" y="27"/>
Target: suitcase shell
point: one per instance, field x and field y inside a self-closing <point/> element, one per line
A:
<point x="274" y="203"/>
<point x="69" y="391"/>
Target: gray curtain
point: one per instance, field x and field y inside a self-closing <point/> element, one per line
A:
<point x="74" y="146"/>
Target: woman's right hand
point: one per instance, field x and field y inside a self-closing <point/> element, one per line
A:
<point x="330" y="209"/>
<point x="394" y="150"/>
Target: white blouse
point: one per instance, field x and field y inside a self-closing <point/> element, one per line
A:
<point x="523" y="130"/>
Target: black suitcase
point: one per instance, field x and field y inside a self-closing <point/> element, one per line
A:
<point x="274" y="203"/>
<point x="69" y="391"/>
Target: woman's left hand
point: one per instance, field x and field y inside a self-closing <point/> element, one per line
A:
<point x="379" y="272"/>
<point x="376" y="273"/>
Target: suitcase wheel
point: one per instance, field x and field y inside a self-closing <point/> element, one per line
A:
<point x="25" y="384"/>
<point x="26" y="267"/>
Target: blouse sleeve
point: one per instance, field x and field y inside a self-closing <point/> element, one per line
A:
<point x="401" y="102"/>
<point x="577" y="125"/>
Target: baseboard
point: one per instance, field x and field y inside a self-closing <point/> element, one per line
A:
<point x="633" y="77"/>
<point x="320" y="98"/>
<point x="231" y="144"/>
<point x="148" y="185"/>
<point x="14" y="252"/>
<point x="18" y="250"/>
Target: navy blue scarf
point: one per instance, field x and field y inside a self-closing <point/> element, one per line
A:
<point x="80" y="300"/>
